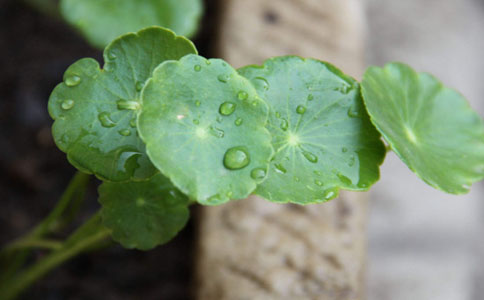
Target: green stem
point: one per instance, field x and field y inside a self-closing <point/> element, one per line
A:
<point x="35" y="243"/>
<point x="89" y="235"/>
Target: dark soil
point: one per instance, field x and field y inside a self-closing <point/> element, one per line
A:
<point x="35" y="50"/>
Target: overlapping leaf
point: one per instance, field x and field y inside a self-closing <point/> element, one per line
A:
<point x="430" y="127"/>
<point x="95" y="109"/>
<point x="103" y="20"/>
<point x="321" y="132"/>
<point x="143" y="214"/>
<point x="204" y="128"/>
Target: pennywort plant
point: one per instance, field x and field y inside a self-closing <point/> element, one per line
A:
<point x="165" y="128"/>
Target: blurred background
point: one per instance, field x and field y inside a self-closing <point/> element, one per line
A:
<point x="423" y="244"/>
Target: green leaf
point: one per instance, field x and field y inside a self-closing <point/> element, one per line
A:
<point x="144" y="214"/>
<point x="322" y="135"/>
<point x="103" y="20"/>
<point x="430" y="127"/>
<point x="95" y="110"/>
<point x="203" y="125"/>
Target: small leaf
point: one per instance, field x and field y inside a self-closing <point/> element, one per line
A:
<point x="322" y="135"/>
<point x="144" y="214"/>
<point x="189" y="124"/>
<point x="430" y="127"/>
<point x="101" y="21"/>
<point x="95" y="110"/>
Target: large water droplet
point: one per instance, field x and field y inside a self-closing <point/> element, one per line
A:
<point x="227" y="108"/>
<point x="284" y="124"/>
<point x="258" y="173"/>
<point x="301" y="109"/>
<point x="353" y="112"/>
<point x="236" y="158"/>
<point x="105" y="119"/>
<point x="310" y="157"/>
<point x="242" y="95"/>
<point x="238" y="121"/>
<point x="223" y="78"/>
<point x="217" y="132"/>
<point x="127" y="104"/>
<point x="197" y="68"/>
<point x="125" y="132"/>
<point x="139" y="86"/>
<point x="72" y="80"/>
<point x="264" y="82"/>
<point x="67" y="104"/>
<point x="280" y="169"/>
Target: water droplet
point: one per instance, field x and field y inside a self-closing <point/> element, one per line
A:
<point x="217" y="132"/>
<point x="105" y="119"/>
<point x="111" y="55"/>
<point x="242" y="95"/>
<point x="353" y="112"/>
<point x="278" y="114"/>
<point x="345" y="89"/>
<point x="223" y="78"/>
<point x="229" y="194"/>
<point x="258" y="173"/>
<point x="109" y="67"/>
<point x="264" y="82"/>
<point x="196" y="121"/>
<point x="72" y="80"/>
<point x="227" y="108"/>
<point x="132" y="123"/>
<point x="125" y="132"/>
<point x="197" y="103"/>
<point x="139" y="86"/>
<point x="362" y="185"/>
<point x="254" y="103"/>
<point x="284" y="124"/>
<point x="214" y="199"/>
<point x="236" y="158"/>
<point x="344" y="149"/>
<point x="329" y="194"/>
<point x="238" y="122"/>
<point x="219" y="119"/>
<point x="352" y="161"/>
<point x="310" y="157"/>
<point x="296" y="179"/>
<point x="67" y="104"/>
<point x="197" y="68"/>
<point x="310" y="97"/>
<point x="318" y="182"/>
<point x="127" y="104"/>
<point x="140" y="202"/>
<point x="317" y="172"/>
<point x="301" y="109"/>
<point x="344" y="179"/>
<point x="208" y="62"/>
<point x="280" y="169"/>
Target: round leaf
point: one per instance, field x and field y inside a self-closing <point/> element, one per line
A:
<point x="322" y="136"/>
<point x="95" y="110"/>
<point x="203" y="125"/>
<point x="430" y="127"/>
<point x="143" y="214"/>
<point x="103" y="20"/>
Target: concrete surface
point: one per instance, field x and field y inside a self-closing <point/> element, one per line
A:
<point x="425" y="244"/>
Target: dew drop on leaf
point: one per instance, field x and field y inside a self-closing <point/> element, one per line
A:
<point x="278" y="114"/>
<point x="127" y="105"/>
<point x="280" y="169"/>
<point x="216" y="132"/>
<point x="242" y="95"/>
<point x="352" y="161"/>
<point x="125" y="132"/>
<point x="105" y="119"/>
<point x="196" y="121"/>
<point x="316" y="172"/>
<point x="223" y="78"/>
<point x="139" y="86"/>
<point x="310" y="97"/>
<point x="318" y="182"/>
<point x="238" y="122"/>
<point x="227" y="108"/>
<point x="265" y="83"/>
<point x="111" y="55"/>
<point x="362" y="185"/>
<point x="353" y="112"/>
<point x="284" y="124"/>
<point x="329" y="194"/>
<point x="197" y="68"/>
<point x="310" y="157"/>
<point x="67" y="104"/>
<point x="344" y="149"/>
<point x="296" y="179"/>
<point x="132" y="123"/>
<point x="72" y="80"/>
<point x="258" y="173"/>
<point x="236" y="158"/>
<point x="301" y="109"/>
<point x="197" y="103"/>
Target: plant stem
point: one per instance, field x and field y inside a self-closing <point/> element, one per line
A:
<point x="89" y="235"/>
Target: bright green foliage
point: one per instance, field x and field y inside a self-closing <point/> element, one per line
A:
<point x="321" y="132"/>
<point x="95" y="110"/>
<point x="143" y="214"/>
<point x="203" y="125"/>
<point x="430" y="127"/>
<point x="103" y="20"/>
